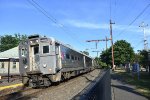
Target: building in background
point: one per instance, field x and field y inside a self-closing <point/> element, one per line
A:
<point x="9" y="62"/>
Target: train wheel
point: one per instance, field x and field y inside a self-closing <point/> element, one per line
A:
<point x="47" y="82"/>
<point x="62" y="78"/>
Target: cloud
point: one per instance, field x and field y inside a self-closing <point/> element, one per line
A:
<point x="105" y="26"/>
<point x="127" y="28"/>
<point x="19" y="5"/>
<point x="87" y="25"/>
<point x="147" y="31"/>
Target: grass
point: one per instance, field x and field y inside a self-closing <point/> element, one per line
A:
<point x="142" y="85"/>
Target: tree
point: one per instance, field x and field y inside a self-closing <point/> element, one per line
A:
<point x="85" y="52"/>
<point x="100" y="64"/>
<point x="106" y="56"/>
<point x="143" y="58"/>
<point x="123" y="52"/>
<point x="9" y="41"/>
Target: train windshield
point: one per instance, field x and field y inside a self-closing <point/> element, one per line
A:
<point x="46" y="49"/>
<point x="36" y="50"/>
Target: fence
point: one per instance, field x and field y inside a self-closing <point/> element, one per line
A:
<point x="99" y="89"/>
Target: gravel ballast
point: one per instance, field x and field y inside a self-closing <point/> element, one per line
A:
<point x="68" y="90"/>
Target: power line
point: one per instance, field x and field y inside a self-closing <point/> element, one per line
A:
<point x="138" y="44"/>
<point x="50" y="17"/>
<point x="40" y="9"/>
<point x="110" y="6"/>
<point x="96" y="52"/>
<point x="146" y="16"/>
<point x="133" y="20"/>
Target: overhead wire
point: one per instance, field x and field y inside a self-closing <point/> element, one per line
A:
<point x="138" y="44"/>
<point x="134" y="21"/>
<point x="115" y="9"/>
<point x="141" y="13"/>
<point x="50" y="17"/>
<point x="146" y="16"/>
<point x="110" y="8"/>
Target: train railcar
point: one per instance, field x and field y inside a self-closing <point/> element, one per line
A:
<point x="45" y="60"/>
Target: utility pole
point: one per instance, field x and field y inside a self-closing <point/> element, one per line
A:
<point x="112" y="49"/>
<point x="145" y="40"/>
<point x="96" y="41"/>
<point x="96" y="52"/>
<point x="0" y="40"/>
<point x="107" y="39"/>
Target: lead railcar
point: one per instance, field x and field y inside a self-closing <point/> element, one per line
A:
<point x="45" y="60"/>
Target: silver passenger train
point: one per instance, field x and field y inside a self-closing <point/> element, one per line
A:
<point x="45" y="60"/>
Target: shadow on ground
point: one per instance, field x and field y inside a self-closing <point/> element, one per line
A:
<point x="125" y="79"/>
<point x="126" y="88"/>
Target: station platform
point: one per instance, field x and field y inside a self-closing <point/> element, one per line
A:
<point x="10" y="86"/>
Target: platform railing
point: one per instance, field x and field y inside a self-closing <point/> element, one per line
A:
<point x="99" y="89"/>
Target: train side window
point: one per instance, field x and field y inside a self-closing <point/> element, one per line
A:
<point x="14" y="65"/>
<point x="2" y="64"/>
<point x="78" y="59"/>
<point x="72" y="57"/>
<point x="46" y="49"/>
<point x="75" y="58"/>
<point x="67" y="56"/>
<point x="22" y="52"/>
<point x="57" y="50"/>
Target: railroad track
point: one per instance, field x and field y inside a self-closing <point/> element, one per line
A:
<point x="30" y="93"/>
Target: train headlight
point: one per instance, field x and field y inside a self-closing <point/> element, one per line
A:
<point x="50" y="69"/>
<point x="44" y="65"/>
<point x="37" y="40"/>
<point x="31" y="41"/>
<point x="25" y="66"/>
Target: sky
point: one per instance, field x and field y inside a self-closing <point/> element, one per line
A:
<point x="75" y="21"/>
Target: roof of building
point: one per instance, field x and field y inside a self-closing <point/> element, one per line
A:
<point x="11" y="53"/>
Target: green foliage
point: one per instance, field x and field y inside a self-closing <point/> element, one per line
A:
<point x="123" y="52"/>
<point x="106" y="56"/>
<point x="100" y="63"/>
<point x="143" y="59"/>
<point x="9" y="41"/>
<point x="85" y="52"/>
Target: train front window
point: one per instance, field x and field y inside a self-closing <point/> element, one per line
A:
<point x="46" y="49"/>
<point x="36" y="50"/>
<point x="24" y="52"/>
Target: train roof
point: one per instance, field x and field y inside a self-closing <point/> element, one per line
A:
<point x="69" y="46"/>
<point x="54" y="40"/>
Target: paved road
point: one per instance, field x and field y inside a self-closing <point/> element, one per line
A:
<point x="122" y="91"/>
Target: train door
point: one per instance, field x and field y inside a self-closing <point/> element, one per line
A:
<point x="58" y="57"/>
<point x="84" y="61"/>
<point x="34" y="57"/>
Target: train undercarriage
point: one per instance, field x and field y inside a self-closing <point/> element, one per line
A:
<point x="39" y="80"/>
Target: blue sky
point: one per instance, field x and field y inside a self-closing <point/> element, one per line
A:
<point x="81" y="19"/>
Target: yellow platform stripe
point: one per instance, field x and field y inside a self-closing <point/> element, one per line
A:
<point x="10" y="86"/>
